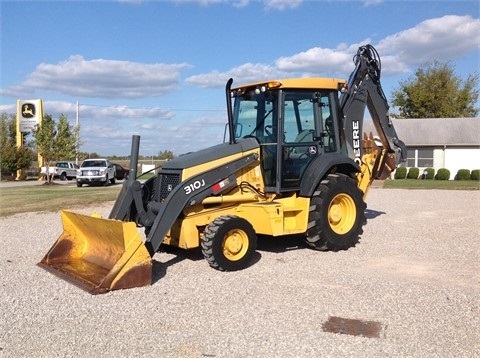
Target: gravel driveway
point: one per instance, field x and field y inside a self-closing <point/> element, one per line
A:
<point x="415" y="272"/>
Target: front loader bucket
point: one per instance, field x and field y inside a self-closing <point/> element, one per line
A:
<point x="99" y="255"/>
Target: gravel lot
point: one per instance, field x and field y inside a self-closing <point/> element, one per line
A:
<point x="415" y="270"/>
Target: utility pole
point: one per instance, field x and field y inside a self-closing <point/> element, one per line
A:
<point x="77" y="124"/>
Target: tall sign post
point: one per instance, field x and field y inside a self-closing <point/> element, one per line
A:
<point x="29" y="114"/>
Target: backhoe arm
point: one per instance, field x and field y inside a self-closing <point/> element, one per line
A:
<point x="364" y="90"/>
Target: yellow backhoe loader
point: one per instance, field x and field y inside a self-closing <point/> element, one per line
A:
<point x="295" y="163"/>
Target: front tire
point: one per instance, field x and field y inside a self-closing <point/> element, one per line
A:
<point x="229" y="243"/>
<point x="337" y="214"/>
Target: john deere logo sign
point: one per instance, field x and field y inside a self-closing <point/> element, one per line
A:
<point x="29" y="114"/>
<point x="28" y="110"/>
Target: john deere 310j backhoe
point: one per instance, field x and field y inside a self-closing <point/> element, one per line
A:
<point x="295" y="163"/>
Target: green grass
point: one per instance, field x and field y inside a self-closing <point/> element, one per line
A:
<point x="432" y="184"/>
<point x="31" y="198"/>
<point x="21" y="199"/>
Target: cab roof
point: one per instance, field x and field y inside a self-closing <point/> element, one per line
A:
<point x="299" y="83"/>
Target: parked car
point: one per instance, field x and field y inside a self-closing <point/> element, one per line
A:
<point x="96" y="171"/>
<point x="120" y="172"/>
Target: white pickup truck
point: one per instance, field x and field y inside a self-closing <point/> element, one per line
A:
<point x="96" y="171"/>
<point x="62" y="170"/>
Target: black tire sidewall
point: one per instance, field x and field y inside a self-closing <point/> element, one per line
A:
<point x="350" y="238"/>
<point x="233" y="223"/>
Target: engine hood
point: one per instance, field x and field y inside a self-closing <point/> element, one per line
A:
<point x="210" y="154"/>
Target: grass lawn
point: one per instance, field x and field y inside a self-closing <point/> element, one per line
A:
<point x="432" y="184"/>
<point x="21" y="199"/>
<point x="31" y="198"/>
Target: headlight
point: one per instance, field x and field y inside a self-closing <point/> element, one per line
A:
<point x="79" y="172"/>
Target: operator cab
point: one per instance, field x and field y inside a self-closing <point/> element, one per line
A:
<point x="295" y="122"/>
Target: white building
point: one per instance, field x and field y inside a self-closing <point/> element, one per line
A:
<point x="452" y="143"/>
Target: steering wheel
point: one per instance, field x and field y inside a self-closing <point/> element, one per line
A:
<point x="304" y="156"/>
<point x="269" y="129"/>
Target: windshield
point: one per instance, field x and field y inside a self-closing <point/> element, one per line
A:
<point x="254" y="114"/>
<point x="94" y="163"/>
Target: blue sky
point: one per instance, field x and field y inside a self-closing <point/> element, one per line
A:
<point x="158" y="68"/>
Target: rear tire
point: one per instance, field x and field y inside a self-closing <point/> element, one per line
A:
<point x="229" y="243"/>
<point x="63" y="176"/>
<point x="337" y="214"/>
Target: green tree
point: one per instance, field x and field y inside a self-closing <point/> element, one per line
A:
<point x="56" y="141"/>
<point x="436" y="92"/>
<point x="165" y="155"/>
<point x="12" y="158"/>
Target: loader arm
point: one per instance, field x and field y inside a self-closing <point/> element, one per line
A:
<point x="190" y="192"/>
<point x="364" y="90"/>
<point x="158" y="216"/>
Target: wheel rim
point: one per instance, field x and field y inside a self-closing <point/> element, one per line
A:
<point x="342" y="213"/>
<point x="235" y="245"/>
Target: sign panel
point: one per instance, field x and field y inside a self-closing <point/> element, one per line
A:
<point x="29" y="114"/>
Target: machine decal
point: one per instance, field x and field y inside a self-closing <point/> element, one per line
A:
<point x="28" y="110"/>
<point x="190" y="188"/>
<point x="217" y="188"/>
<point x="356" y="142"/>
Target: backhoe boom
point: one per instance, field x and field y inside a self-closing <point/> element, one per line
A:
<point x="364" y="90"/>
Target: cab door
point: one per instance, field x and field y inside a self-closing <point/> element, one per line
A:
<point x="309" y="131"/>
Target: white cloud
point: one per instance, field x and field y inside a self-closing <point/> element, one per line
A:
<point x="98" y="113"/>
<point x="247" y="72"/>
<point x="442" y="39"/>
<point x="279" y="5"/>
<point x="367" y="3"/>
<point x="240" y="3"/>
<point x="282" y="4"/>
<point x="127" y="112"/>
<point x="321" y="61"/>
<point x="201" y="2"/>
<point x="101" y="78"/>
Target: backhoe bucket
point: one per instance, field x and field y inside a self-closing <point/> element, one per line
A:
<point x="99" y="255"/>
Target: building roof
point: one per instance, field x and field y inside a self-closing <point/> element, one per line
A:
<point x="435" y="131"/>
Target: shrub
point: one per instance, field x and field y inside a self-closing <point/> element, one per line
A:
<point x="413" y="173"/>
<point x="443" y="174"/>
<point x="430" y="173"/>
<point x="462" y="174"/>
<point x="475" y="174"/>
<point x="400" y="173"/>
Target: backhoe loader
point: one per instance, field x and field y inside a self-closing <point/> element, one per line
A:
<point x="294" y="162"/>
